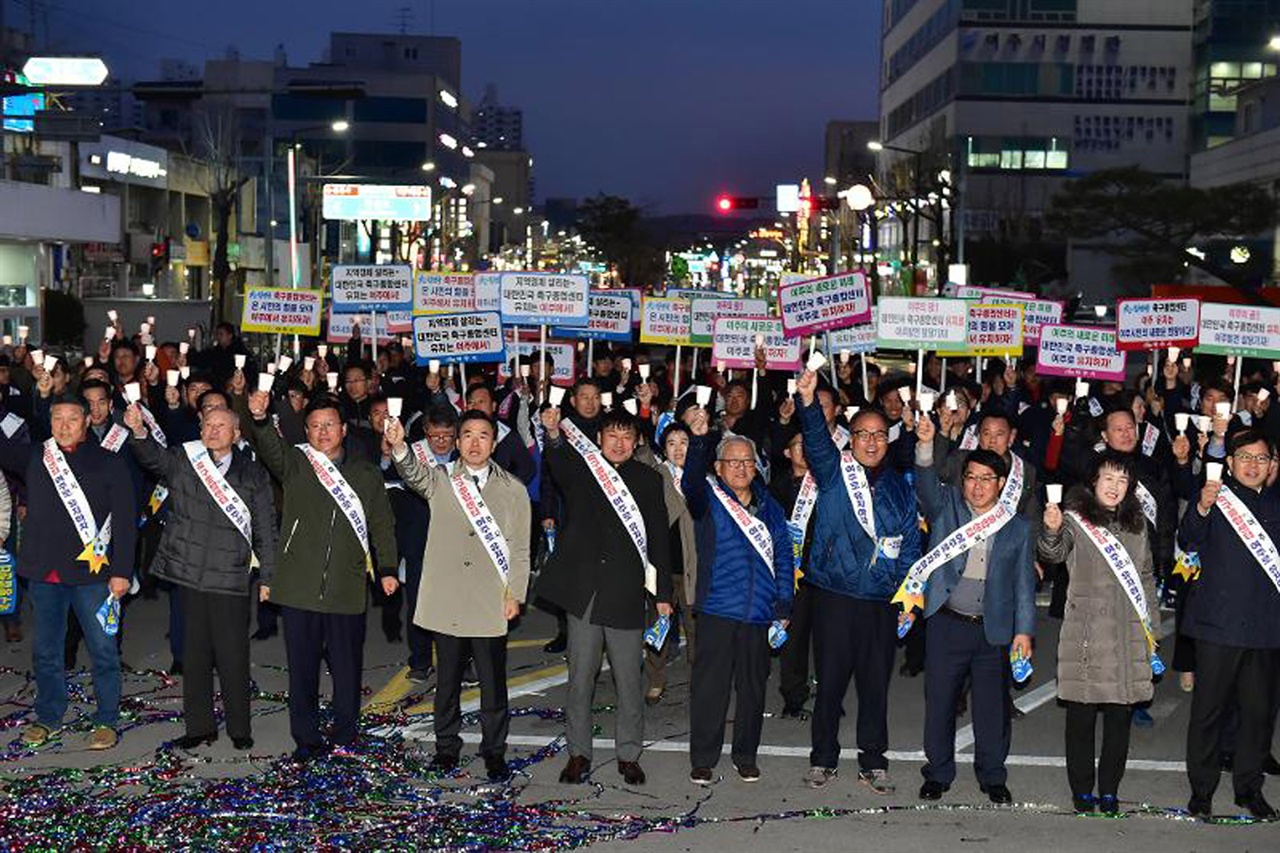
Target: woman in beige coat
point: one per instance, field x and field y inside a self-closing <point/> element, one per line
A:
<point x="1104" y="664"/>
<point x="467" y="595"/>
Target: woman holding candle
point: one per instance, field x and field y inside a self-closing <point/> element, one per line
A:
<point x="1105" y="658"/>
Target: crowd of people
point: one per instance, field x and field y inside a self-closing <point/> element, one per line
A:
<point x="803" y="518"/>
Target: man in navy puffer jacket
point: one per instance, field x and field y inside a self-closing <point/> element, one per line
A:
<point x="746" y="579"/>
<point x="865" y="537"/>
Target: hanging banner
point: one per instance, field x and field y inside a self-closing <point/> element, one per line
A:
<point x="855" y="339"/>
<point x="342" y="326"/>
<point x="1241" y="330"/>
<point x="537" y="298"/>
<point x="360" y="288"/>
<point x="735" y="343"/>
<point x="819" y="304"/>
<point x="1036" y="312"/>
<point x="444" y="292"/>
<point x="1143" y="324"/>
<point x="474" y="336"/>
<point x="991" y="330"/>
<point x="561" y="360"/>
<point x="705" y="309"/>
<point x="609" y="319"/>
<point x="911" y="323"/>
<point x="1086" y="352"/>
<point x="281" y="310"/>
<point x="665" y="320"/>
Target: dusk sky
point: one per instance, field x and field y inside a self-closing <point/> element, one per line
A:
<point x="666" y="102"/>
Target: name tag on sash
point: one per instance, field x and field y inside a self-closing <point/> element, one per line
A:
<point x="343" y="495"/>
<point x="618" y="496"/>
<point x="756" y="531"/>
<point x="1251" y="533"/>
<point x="1126" y="573"/>
<point x="483" y="523"/>
<point x="96" y="541"/>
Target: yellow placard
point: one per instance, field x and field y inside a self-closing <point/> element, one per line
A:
<point x="281" y="310"/>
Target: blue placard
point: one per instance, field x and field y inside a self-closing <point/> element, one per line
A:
<point x="474" y="336"/>
<point x="609" y="319"/>
<point x="544" y="298"/>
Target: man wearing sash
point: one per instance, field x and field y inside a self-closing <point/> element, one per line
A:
<point x="979" y="597"/>
<point x="77" y="553"/>
<point x="746" y="577"/>
<point x="611" y="547"/>
<point x="511" y="454"/>
<point x="336" y="527"/>
<point x="475" y="571"/>
<point x="865" y="537"/>
<point x="221" y="523"/>
<point x="1233" y="615"/>
<point x="996" y="432"/>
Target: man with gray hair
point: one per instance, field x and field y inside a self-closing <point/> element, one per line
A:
<point x="746" y="579"/>
<point x="221" y="524"/>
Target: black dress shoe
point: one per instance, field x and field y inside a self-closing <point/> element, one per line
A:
<point x="496" y="768"/>
<point x="192" y="741"/>
<point x="932" y="790"/>
<point x="631" y="772"/>
<point x="1200" y="807"/>
<point x="242" y="743"/>
<point x="265" y="633"/>
<point x="1084" y="803"/>
<point x="310" y="752"/>
<point x="1270" y="766"/>
<point x="443" y="763"/>
<point x="1109" y="804"/>
<point x="1257" y="806"/>
<point x="557" y="645"/>
<point x="575" y="772"/>
<point x="998" y="794"/>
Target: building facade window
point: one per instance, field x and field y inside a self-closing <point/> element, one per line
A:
<point x="930" y="98"/>
<point x="1017" y="153"/>
<point x="1017" y="79"/>
<point x="1040" y="11"/>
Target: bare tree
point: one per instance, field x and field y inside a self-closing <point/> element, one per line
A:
<point x="217" y="140"/>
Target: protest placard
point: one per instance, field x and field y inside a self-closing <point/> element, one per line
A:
<point x="1243" y="330"/>
<point x="991" y="330"/>
<point x="609" y="319"/>
<point x="537" y="298"/>
<point x="705" y="309"/>
<point x="361" y="288"/>
<point x="1036" y="312"/>
<point x="1157" y="323"/>
<point x="342" y="326"/>
<point x="444" y="292"/>
<point x="488" y="291"/>
<point x="921" y="323"/>
<point x="399" y="322"/>
<point x="281" y="310"/>
<point x="471" y="336"/>
<point x="1087" y="352"/>
<point x="818" y="304"/>
<point x="637" y="297"/>
<point x="665" y="320"/>
<point x="735" y="343"/>
<point x="855" y="339"/>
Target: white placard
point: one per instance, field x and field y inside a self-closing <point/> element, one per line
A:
<point x="472" y="336"/>
<point x="361" y="288"/>
<point x="537" y="298"/>
<point x="910" y="323"/>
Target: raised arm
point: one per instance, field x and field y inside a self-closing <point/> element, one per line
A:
<point x="416" y="476"/>
<point x="271" y="449"/>
<point x="819" y="446"/>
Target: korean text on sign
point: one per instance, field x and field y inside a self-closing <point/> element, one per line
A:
<point x="473" y="336"/>
<point x="444" y="292"/>
<point x="537" y="298"/>
<point x="281" y="311"/>
<point x="905" y="322"/>
<point x="358" y="288"/>
<point x="1087" y="352"/>
<point x="1242" y="330"/>
<point x="665" y="320"/>
<point x="561" y="360"/>
<point x="609" y="319"/>
<point x="1157" y="323"/>
<point x="735" y="343"/>
<point x="816" y="305"/>
<point x="992" y="330"/>
<point x="705" y="310"/>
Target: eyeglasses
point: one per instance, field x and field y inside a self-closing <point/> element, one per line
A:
<point x="980" y="478"/>
<point x="738" y="463"/>
<point x="1260" y="458"/>
<point x="867" y="435"/>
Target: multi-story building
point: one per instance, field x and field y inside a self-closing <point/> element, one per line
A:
<point x="845" y="154"/>
<point x="1011" y="98"/>
<point x="113" y="103"/>
<point x="1234" y="46"/>
<point x="496" y="127"/>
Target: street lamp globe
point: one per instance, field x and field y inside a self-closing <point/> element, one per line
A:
<point x="859" y="197"/>
<point x="340" y="126"/>
<point x="875" y="145"/>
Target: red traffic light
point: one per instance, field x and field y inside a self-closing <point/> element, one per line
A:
<point x="726" y="203"/>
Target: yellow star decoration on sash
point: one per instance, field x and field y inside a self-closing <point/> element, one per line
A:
<point x="907" y="600"/>
<point x="91" y="556"/>
<point x="156" y="500"/>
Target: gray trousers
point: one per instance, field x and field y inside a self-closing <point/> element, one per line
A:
<point x="587" y="644"/>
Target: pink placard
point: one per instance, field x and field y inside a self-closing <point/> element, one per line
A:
<point x="819" y="304"/>
<point x="1086" y="352"/>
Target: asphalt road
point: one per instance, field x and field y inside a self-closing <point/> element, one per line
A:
<point x="668" y="813"/>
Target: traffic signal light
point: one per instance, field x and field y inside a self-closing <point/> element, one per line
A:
<point x="159" y="257"/>
<point x="727" y="203"/>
